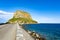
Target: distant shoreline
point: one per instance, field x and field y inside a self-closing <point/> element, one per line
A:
<point x="2" y="23"/>
<point x="46" y="23"/>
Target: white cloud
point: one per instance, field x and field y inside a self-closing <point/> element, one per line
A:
<point x="4" y="12"/>
<point x="5" y="15"/>
<point x="49" y="20"/>
<point x="46" y="19"/>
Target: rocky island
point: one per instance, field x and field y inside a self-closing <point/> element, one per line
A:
<point x="22" y="17"/>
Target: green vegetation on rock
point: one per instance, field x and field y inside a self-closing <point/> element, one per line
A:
<point x="22" y="18"/>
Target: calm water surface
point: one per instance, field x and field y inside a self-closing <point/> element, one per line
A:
<point x="49" y="31"/>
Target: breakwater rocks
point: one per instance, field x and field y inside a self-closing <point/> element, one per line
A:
<point x="35" y="35"/>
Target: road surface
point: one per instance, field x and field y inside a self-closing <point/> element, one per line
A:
<point x="8" y="32"/>
<point x="13" y="32"/>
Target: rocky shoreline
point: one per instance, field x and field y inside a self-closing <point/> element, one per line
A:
<point x="35" y="35"/>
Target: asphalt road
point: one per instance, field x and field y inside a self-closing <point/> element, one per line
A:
<point x="8" y="32"/>
<point x="13" y="32"/>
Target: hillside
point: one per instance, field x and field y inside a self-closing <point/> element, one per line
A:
<point x="22" y="18"/>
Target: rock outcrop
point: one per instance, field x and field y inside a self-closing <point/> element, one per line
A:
<point x="35" y="35"/>
<point x="22" y="14"/>
<point x="22" y="18"/>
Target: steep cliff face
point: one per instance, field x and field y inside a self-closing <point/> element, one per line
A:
<point x="22" y="18"/>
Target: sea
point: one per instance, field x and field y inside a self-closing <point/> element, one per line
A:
<point x="46" y="30"/>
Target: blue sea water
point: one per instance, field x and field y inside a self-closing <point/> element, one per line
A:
<point x="49" y="31"/>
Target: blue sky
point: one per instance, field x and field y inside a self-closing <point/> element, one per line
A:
<point x="43" y="11"/>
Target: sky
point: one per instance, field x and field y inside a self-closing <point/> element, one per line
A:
<point x="43" y="11"/>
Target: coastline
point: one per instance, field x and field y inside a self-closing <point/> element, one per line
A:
<point x="34" y="35"/>
<point x="22" y="34"/>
